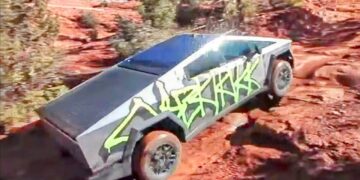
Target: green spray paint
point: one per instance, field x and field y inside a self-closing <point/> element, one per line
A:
<point x="112" y="140"/>
<point x="178" y="101"/>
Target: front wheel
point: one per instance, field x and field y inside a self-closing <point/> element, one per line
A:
<point x="157" y="155"/>
<point x="281" y="78"/>
<point x="279" y="85"/>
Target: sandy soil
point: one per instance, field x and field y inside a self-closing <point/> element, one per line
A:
<point x="313" y="134"/>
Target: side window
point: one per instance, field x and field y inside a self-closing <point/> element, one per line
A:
<point x="204" y="63"/>
<point x="233" y="49"/>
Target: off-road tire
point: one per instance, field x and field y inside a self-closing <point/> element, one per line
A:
<point x="275" y="94"/>
<point x="281" y="78"/>
<point x="143" y="159"/>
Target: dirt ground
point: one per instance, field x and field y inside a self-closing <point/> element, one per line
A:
<point x="313" y="134"/>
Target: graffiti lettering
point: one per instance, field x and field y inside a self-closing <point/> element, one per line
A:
<point x="190" y="102"/>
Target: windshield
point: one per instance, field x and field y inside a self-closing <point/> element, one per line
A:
<point x="164" y="56"/>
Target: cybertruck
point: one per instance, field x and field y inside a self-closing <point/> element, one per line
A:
<point x="131" y="118"/>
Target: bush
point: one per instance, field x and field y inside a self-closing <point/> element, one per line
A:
<point x="187" y="14"/>
<point x="294" y="3"/>
<point x="286" y="3"/>
<point x="23" y="109"/>
<point x="123" y="40"/>
<point x="28" y="59"/>
<point x="128" y="28"/>
<point x="93" y="34"/>
<point x="161" y="12"/>
<point x="231" y="9"/>
<point x="88" y="20"/>
<point x="248" y="8"/>
<point x="133" y="37"/>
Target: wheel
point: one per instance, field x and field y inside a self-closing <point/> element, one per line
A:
<point x="281" y="78"/>
<point x="280" y="82"/>
<point x="157" y="155"/>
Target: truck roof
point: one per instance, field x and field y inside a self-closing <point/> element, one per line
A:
<point x="163" y="56"/>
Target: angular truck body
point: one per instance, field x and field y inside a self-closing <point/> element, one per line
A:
<point x="181" y="85"/>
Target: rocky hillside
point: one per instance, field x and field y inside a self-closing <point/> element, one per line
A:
<point x="314" y="133"/>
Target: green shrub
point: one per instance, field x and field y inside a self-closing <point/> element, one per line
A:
<point x="294" y="3"/>
<point x="286" y="3"/>
<point x="23" y="110"/>
<point x="162" y="13"/>
<point x="122" y="42"/>
<point x="93" y="34"/>
<point x="88" y="20"/>
<point x="27" y="58"/>
<point x="248" y="8"/>
<point x="187" y="14"/>
<point x="133" y="37"/>
<point x="124" y="48"/>
<point x="231" y="9"/>
<point x="128" y="28"/>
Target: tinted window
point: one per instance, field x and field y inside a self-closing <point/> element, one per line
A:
<point x="236" y="48"/>
<point x="228" y="50"/>
<point x="204" y="63"/>
<point x="162" y="57"/>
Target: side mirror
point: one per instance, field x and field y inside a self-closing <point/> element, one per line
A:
<point x="257" y="49"/>
<point x="186" y="78"/>
<point x="186" y="75"/>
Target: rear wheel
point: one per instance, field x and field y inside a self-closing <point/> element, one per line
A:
<point x="157" y="155"/>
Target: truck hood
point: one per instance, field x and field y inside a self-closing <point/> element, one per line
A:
<point x="83" y="106"/>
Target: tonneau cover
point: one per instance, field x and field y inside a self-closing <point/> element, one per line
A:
<point x="86" y="104"/>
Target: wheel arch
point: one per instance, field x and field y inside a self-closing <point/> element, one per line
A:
<point x="164" y="121"/>
<point x="286" y="56"/>
<point x="167" y="122"/>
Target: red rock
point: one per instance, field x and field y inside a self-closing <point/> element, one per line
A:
<point x="349" y="77"/>
<point x="22" y="127"/>
<point x="3" y="137"/>
<point x="235" y="120"/>
<point x="315" y="140"/>
<point x="255" y="114"/>
<point x="317" y="94"/>
<point x="306" y="66"/>
<point x="261" y="152"/>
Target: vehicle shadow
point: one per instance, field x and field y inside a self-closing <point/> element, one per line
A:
<point x="255" y="134"/>
<point x="33" y="155"/>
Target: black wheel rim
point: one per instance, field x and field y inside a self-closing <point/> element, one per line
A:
<point x="284" y="78"/>
<point x="163" y="159"/>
